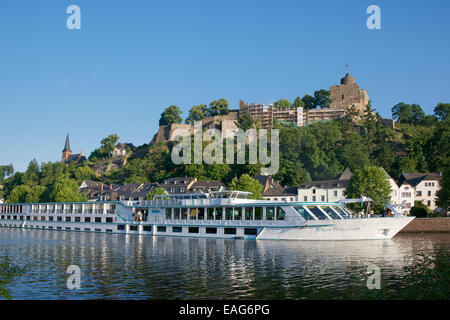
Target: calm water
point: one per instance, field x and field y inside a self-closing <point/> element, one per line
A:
<point x="117" y="266"/>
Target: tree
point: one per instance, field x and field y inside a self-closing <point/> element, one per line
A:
<point x="443" y="195"/>
<point x="248" y="184"/>
<point x="197" y="113"/>
<point x="402" y="113"/>
<point x="245" y="121"/>
<point x="6" y="171"/>
<point x="66" y="190"/>
<point x="322" y="98"/>
<point x="106" y="148"/>
<point x="282" y="104"/>
<point x="19" y="194"/>
<point x="171" y="114"/>
<point x="31" y="176"/>
<point x="218" y="107"/>
<point x="417" y="113"/>
<point x="298" y="103"/>
<point x="155" y="192"/>
<point x="309" y="102"/>
<point x="370" y="182"/>
<point x="35" y="194"/>
<point x="442" y="110"/>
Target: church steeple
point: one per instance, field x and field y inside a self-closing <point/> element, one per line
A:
<point x="66" y="151"/>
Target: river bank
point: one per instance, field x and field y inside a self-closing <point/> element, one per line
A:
<point x="426" y="225"/>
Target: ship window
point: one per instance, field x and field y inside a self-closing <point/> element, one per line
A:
<point x="270" y="213"/>
<point x="331" y="213"/>
<point x="168" y="213"/>
<point x="98" y="220"/>
<point x="57" y="228"/>
<point x="193" y="230"/>
<point x="87" y="219"/>
<point x="305" y="215"/>
<point x="160" y="229"/>
<point x="230" y="231"/>
<point x="177" y="229"/>
<point x="219" y="213"/>
<point x="201" y="213"/>
<point x="258" y="213"/>
<point x="210" y="213"/>
<point x="87" y="229"/>
<point x="120" y="227"/>
<point x="228" y="213"/>
<point x="211" y="230"/>
<point x="237" y="213"/>
<point x="342" y="212"/>
<point x="316" y="211"/>
<point x="68" y="219"/>
<point x="280" y="213"/>
<point x="147" y="228"/>
<point x="184" y="213"/>
<point x="249" y="213"/>
<point x="250" y="231"/>
<point x="133" y="228"/>
<point x="28" y="218"/>
<point x="42" y="218"/>
<point x="176" y="213"/>
<point x="108" y="220"/>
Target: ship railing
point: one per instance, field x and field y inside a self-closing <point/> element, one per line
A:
<point x="242" y="223"/>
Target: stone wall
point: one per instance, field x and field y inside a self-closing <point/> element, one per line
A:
<point x="428" y="225"/>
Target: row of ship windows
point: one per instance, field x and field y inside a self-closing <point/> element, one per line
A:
<point x="159" y="229"/>
<point x="58" y="218"/>
<point x="52" y="209"/>
<point x="246" y="213"/>
<point x="176" y="229"/>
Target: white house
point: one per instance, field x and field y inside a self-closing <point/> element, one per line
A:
<point x="419" y="187"/>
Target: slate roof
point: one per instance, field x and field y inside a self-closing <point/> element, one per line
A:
<point x="67" y="145"/>
<point x="326" y="184"/>
<point x="415" y="178"/>
<point x="77" y="158"/>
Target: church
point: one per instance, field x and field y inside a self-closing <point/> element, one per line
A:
<point x="68" y="157"/>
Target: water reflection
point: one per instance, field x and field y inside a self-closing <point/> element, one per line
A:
<point x="117" y="266"/>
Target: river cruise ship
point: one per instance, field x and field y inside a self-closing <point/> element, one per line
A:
<point x="225" y="214"/>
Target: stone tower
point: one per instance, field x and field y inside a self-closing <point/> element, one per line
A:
<point x="348" y="93"/>
<point x="66" y="153"/>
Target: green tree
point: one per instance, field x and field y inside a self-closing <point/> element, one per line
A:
<point x="322" y="98"/>
<point x="248" y="184"/>
<point x="155" y="192"/>
<point x="370" y="182"/>
<point x="35" y="194"/>
<point x="219" y="107"/>
<point x="282" y="104"/>
<point x="19" y="194"/>
<point x="106" y="148"/>
<point x="6" y="171"/>
<point x="31" y="176"/>
<point x="309" y="102"/>
<point x="197" y="113"/>
<point x="298" y="103"/>
<point x="442" y="110"/>
<point x="171" y="114"/>
<point x="245" y="121"/>
<point x="402" y="113"/>
<point x="443" y="195"/>
<point x="66" y="190"/>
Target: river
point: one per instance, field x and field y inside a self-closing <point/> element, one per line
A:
<point x="117" y="266"/>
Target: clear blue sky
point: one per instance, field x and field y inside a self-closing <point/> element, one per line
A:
<point x="131" y="59"/>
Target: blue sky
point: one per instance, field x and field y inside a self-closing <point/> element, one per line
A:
<point x="131" y="59"/>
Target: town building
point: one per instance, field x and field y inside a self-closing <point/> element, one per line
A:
<point x="68" y="157"/>
<point x="122" y="149"/>
<point x="421" y="187"/>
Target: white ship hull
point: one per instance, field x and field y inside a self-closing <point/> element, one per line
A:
<point x="349" y="229"/>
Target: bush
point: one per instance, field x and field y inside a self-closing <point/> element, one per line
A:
<point x="419" y="212"/>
